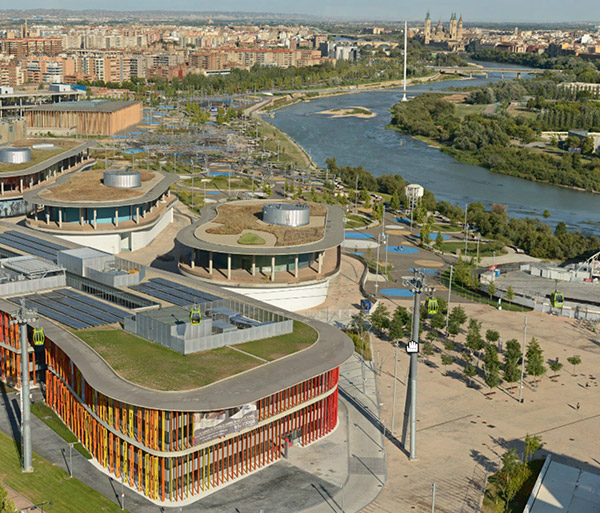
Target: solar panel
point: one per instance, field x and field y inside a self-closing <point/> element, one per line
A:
<point x="160" y="295"/>
<point x="117" y="312"/>
<point x="52" y="302"/>
<point x="94" y="312"/>
<point x="27" y="248"/>
<point x="193" y="292"/>
<point x="52" y="314"/>
<point x="41" y="242"/>
<point x="173" y="292"/>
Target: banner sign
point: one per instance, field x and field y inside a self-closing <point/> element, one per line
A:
<point x="217" y="424"/>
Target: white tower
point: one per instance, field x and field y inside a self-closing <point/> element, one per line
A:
<point x="404" y="98"/>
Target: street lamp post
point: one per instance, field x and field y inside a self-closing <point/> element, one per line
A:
<point x="418" y="286"/>
<point x="396" y="344"/>
<point x="22" y="317"/>
<point x="523" y="360"/>
<point x="448" y="303"/>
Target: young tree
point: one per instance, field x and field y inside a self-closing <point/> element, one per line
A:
<point x="439" y="240"/>
<point x="366" y="197"/>
<point x="491" y="288"/>
<point x="534" y="362"/>
<point x="470" y="372"/>
<point x="490" y="358"/>
<point x="555" y="366"/>
<point x="512" y="358"/>
<point x="491" y="365"/>
<point x="438" y="321"/>
<point x="449" y="345"/>
<point x="510" y="293"/>
<point x="447" y="360"/>
<point x="425" y="234"/>
<point x="380" y="318"/>
<point x="220" y="116"/>
<point x="574" y="361"/>
<point x="398" y="323"/>
<point x="427" y="349"/>
<point x="492" y="336"/>
<point x="492" y="378"/>
<point x="511" y="477"/>
<point x="533" y="443"/>
<point x="458" y="315"/>
<point x="474" y="339"/>
<point x="395" y="201"/>
<point x="432" y="336"/>
<point x="359" y="323"/>
<point x="453" y="328"/>
<point x="6" y="504"/>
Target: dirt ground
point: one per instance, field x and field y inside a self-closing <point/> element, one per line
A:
<point x="461" y="432"/>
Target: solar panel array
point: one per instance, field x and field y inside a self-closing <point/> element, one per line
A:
<point x="174" y="292"/>
<point x="73" y="309"/>
<point x="32" y="245"/>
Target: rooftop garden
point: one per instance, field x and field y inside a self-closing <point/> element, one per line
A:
<point x="233" y="219"/>
<point x="38" y="156"/>
<point x="89" y="186"/>
<point x="154" y="366"/>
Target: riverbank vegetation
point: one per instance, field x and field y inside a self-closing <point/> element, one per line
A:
<point x="532" y="235"/>
<point x="498" y="142"/>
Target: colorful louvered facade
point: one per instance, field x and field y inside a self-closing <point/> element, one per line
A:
<point x="155" y="451"/>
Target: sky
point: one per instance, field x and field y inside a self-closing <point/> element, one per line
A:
<point x="472" y="10"/>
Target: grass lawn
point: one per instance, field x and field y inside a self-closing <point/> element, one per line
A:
<point x="480" y="297"/>
<point x="251" y="239"/>
<point x="354" y="221"/>
<point x="446" y="228"/>
<point x="49" y="483"/>
<point x="463" y="109"/>
<point x="37" y="156"/>
<point x="154" y="366"/>
<point x="273" y="348"/>
<point x="157" y="367"/>
<point x="288" y="152"/>
<point x="485" y="249"/>
<point x="53" y="421"/>
<point x="521" y="111"/>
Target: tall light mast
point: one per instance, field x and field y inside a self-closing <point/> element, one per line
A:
<point x="404" y="98"/>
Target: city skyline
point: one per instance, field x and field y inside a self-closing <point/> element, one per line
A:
<point x="552" y="11"/>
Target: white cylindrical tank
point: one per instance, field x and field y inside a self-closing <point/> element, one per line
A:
<point x="15" y="155"/>
<point x="286" y="214"/>
<point x="122" y="178"/>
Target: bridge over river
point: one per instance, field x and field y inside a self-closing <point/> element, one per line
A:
<point x="470" y="71"/>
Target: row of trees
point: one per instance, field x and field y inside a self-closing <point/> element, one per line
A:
<point x="476" y="349"/>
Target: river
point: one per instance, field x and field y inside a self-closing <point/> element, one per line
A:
<point x="367" y="142"/>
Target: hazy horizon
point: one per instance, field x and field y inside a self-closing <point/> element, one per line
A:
<point x="541" y="11"/>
